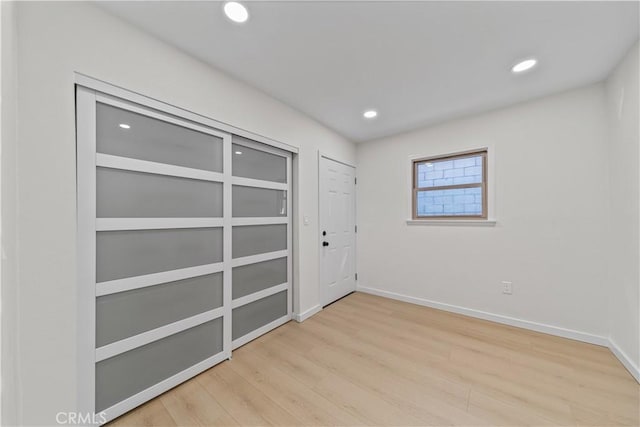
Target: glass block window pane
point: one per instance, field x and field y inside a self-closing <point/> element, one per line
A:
<point x="461" y="201"/>
<point x="450" y="186"/>
<point x="438" y="173"/>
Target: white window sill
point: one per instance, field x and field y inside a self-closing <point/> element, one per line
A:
<point x="453" y="222"/>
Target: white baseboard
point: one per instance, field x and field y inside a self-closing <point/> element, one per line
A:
<point x="301" y="317"/>
<point x="626" y="361"/>
<point x="512" y="321"/>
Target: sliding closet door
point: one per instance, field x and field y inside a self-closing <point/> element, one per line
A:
<point x="184" y="248"/>
<point x="261" y="239"/>
<point x="154" y="186"/>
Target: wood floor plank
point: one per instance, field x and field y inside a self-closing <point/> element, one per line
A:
<point x="152" y="413"/>
<point x="500" y="413"/>
<point x="244" y="402"/>
<point x="375" y="400"/>
<point x="367" y="360"/>
<point x="380" y="367"/>
<point x="362" y="403"/>
<point x="190" y="405"/>
<point x="310" y="407"/>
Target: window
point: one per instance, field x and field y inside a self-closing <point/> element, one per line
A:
<point x="451" y="186"/>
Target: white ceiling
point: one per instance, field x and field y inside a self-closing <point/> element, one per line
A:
<point x="417" y="63"/>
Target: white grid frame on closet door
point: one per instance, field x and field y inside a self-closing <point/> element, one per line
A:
<point x="88" y="225"/>
<point x="252" y="259"/>
<point x="88" y="160"/>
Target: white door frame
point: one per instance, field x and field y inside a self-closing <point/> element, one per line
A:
<point x="321" y="288"/>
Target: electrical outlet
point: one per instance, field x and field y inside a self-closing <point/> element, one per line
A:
<point x="507" y="287"/>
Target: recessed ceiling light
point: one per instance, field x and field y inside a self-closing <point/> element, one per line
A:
<point x="525" y="65"/>
<point x="236" y="11"/>
<point x="238" y="152"/>
<point x="370" y="114"/>
<point x="124" y="126"/>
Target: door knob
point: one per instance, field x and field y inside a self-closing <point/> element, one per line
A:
<point x="325" y="243"/>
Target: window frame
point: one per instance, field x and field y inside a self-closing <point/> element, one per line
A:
<point x="453" y="156"/>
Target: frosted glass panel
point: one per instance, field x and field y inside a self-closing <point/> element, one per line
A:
<point x="126" y="194"/>
<point x="257" y="164"/>
<point x="122" y="315"/>
<point x="252" y="316"/>
<point x="129" y="373"/>
<point x="132" y="253"/>
<point x="258" y="239"/>
<point x="124" y="254"/>
<point x="155" y="140"/>
<point x="256" y="277"/>
<point x="258" y="202"/>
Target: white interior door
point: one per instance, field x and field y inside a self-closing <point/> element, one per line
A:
<point x="337" y="230"/>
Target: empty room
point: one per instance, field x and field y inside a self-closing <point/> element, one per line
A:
<point x="320" y="213"/>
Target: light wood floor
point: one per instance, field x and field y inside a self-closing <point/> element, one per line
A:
<point x="366" y="360"/>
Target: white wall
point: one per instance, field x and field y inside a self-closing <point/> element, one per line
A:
<point x="551" y="204"/>
<point x="8" y="233"/>
<point x="551" y="243"/>
<point x="623" y="280"/>
<point x="54" y="40"/>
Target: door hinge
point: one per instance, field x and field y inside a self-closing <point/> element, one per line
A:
<point x="356" y="276"/>
<point x="355" y="180"/>
<point x="356" y="229"/>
